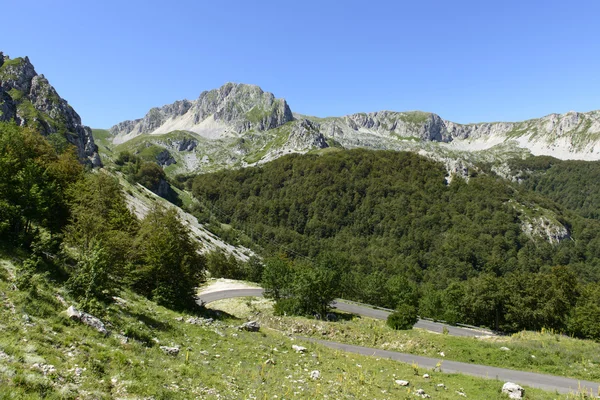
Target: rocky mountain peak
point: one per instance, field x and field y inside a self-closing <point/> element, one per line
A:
<point x="232" y="108"/>
<point x="28" y="99"/>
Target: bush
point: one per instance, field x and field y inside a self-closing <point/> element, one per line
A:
<point x="404" y="317"/>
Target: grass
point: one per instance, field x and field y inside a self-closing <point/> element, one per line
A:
<point x="543" y="352"/>
<point x="46" y="355"/>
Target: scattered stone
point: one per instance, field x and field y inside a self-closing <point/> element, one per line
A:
<point x="172" y="351"/>
<point x="299" y="349"/>
<point x="314" y="375"/>
<point x="461" y="394"/>
<point x="251" y="326"/>
<point x="513" y="390"/>
<point x="270" y="361"/>
<point x="179" y="319"/>
<point x="199" y="321"/>
<point x="203" y="352"/>
<point x="426" y="376"/>
<point x="78" y="371"/>
<point x="441" y="385"/>
<point x="86" y="319"/>
<point x="401" y="382"/>
<point x="442" y="354"/>
<point x="421" y="393"/>
<point x="44" y="368"/>
<point x="504" y="348"/>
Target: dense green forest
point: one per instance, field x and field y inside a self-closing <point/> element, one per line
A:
<point x="399" y="232"/>
<point x="74" y="226"/>
<point x="571" y="183"/>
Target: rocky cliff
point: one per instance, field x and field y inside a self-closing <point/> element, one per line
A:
<point x="571" y="135"/>
<point x="28" y="99"/>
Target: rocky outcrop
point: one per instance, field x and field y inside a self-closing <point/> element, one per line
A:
<point x="8" y="108"/>
<point x="164" y="159"/>
<point x="185" y="144"/>
<point x="86" y="319"/>
<point x="233" y="108"/>
<point x="250" y="326"/>
<point x="30" y="100"/>
<point x="306" y="134"/>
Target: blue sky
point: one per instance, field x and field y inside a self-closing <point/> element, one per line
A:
<point x="468" y="61"/>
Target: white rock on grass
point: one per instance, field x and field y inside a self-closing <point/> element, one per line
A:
<point x="401" y="382"/>
<point x="513" y="390"/>
<point x="86" y="319"/>
<point x="314" y="375"/>
<point x="504" y="348"/>
<point x="421" y="393"/>
<point x="426" y="376"/>
<point x="298" y="349"/>
<point x="172" y="351"/>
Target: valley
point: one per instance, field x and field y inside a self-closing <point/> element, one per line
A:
<point x="107" y="236"/>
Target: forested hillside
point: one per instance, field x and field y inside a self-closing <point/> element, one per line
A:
<point x="396" y="229"/>
<point x="73" y="225"/>
<point x="571" y="183"/>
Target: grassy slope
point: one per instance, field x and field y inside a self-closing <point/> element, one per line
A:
<point x="216" y="360"/>
<point x="552" y="353"/>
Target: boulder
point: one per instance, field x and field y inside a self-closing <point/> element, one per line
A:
<point x="87" y="319"/>
<point x="513" y="390"/>
<point x="251" y="326"/>
<point x="172" y="351"/>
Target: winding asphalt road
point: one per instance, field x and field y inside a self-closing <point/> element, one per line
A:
<point x="349" y="307"/>
<point x="541" y="381"/>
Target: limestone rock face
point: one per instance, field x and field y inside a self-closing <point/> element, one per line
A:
<point x="30" y="100"/>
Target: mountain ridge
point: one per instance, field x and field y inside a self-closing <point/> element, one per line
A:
<point x="245" y="125"/>
<point x="28" y="99"/>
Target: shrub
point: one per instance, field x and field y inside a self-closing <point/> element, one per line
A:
<point x="404" y="317"/>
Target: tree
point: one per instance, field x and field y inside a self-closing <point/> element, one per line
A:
<point x="404" y="317"/>
<point x="33" y="180"/>
<point x="584" y="322"/>
<point x="314" y="288"/>
<point x="277" y="278"/>
<point x="169" y="266"/>
<point x="99" y="238"/>
<point x="150" y="175"/>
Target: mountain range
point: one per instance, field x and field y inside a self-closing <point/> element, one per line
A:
<point x="239" y="125"/>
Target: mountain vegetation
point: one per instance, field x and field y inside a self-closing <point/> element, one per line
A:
<point x="78" y="227"/>
<point x="571" y="183"/>
<point x="402" y="233"/>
